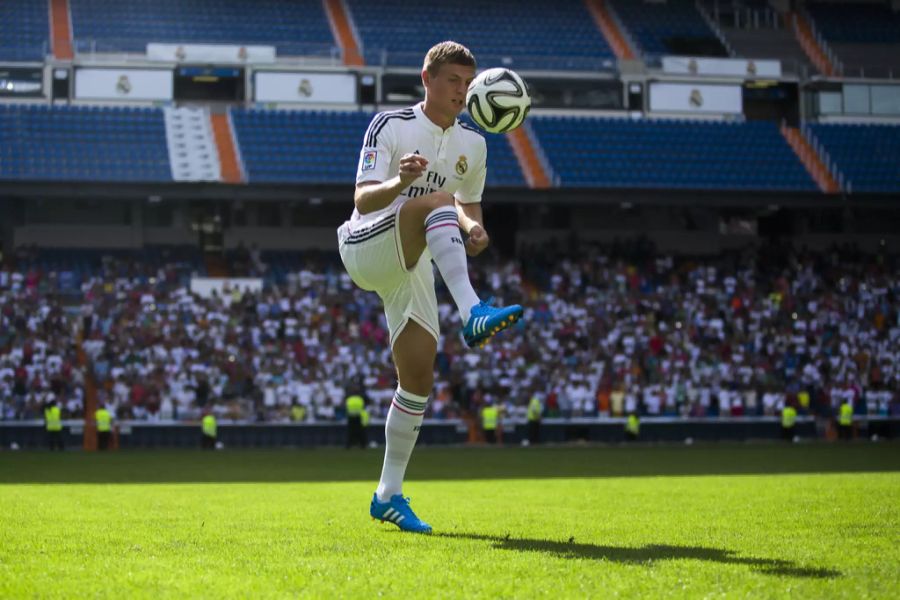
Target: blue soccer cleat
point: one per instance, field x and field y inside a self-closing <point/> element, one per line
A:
<point x="486" y="321"/>
<point x="398" y="512"/>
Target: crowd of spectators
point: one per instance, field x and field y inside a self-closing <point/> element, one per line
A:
<point x="608" y="330"/>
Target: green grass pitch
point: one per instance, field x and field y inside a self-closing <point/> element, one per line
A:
<point x="723" y="520"/>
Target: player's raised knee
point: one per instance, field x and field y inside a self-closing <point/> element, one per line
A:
<point x="441" y="198"/>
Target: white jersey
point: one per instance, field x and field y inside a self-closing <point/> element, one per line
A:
<point x="457" y="157"/>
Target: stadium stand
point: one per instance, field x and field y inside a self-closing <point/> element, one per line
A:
<point x="503" y="167"/>
<point x="673" y="27"/>
<point x="296" y="28"/>
<point x="858" y="22"/>
<point x="76" y="143"/>
<point x="657" y="153"/>
<point x="23" y="30"/>
<point x="299" y="146"/>
<point x="323" y="147"/>
<point x="865" y="37"/>
<point x="517" y="34"/>
<point x="865" y="153"/>
<point x="773" y="42"/>
<point x="609" y="329"/>
<point x="65" y="270"/>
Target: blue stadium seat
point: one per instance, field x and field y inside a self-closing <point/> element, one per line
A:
<point x="659" y="153"/>
<point x="856" y="23"/>
<point x="295" y="28"/>
<point x="503" y="166"/>
<point x="323" y="147"/>
<point x="654" y="25"/>
<point x="24" y="30"/>
<point x="521" y="34"/>
<point x="867" y="154"/>
<point x="68" y="143"/>
<point x="75" y="266"/>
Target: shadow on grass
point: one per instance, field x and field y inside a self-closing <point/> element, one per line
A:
<point x="646" y="554"/>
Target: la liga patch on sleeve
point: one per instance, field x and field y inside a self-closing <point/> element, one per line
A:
<point x="368" y="161"/>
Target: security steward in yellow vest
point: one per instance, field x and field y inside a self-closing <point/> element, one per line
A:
<point x="845" y="421"/>
<point x="489" y="418"/>
<point x="298" y="413"/>
<point x="788" y="423"/>
<point x="53" y="424"/>
<point x="535" y="410"/>
<point x="210" y="429"/>
<point x="632" y="428"/>
<point x="103" y="419"/>
<point x="356" y="433"/>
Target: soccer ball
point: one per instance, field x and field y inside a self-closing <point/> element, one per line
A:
<point x="498" y="100"/>
<point x="13" y="446"/>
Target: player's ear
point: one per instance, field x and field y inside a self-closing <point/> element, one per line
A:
<point x="426" y="78"/>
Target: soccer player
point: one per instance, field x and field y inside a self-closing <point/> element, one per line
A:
<point x="420" y="178"/>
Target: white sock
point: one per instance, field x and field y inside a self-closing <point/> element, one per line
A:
<point x="400" y="432"/>
<point x="449" y="253"/>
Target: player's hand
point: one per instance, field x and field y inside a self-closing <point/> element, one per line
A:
<point x="478" y="241"/>
<point x="411" y="168"/>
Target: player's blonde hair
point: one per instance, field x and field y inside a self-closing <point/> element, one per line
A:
<point x="447" y="53"/>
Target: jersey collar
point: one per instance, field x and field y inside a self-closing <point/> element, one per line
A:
<point x="427" y="123"/>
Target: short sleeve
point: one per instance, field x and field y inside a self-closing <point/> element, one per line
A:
<point x="473" y="185"/>
<point x="377" y="149"/>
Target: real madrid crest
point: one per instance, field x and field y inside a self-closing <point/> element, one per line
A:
<point x="461" y="165"/>
<point x="123" y="85"/>
<point x="696" y="98"/>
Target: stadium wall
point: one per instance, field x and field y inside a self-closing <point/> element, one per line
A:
<point x="678" y="241"/>
<point x="662" y="429"/>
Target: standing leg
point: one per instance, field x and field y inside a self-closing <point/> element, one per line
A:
<point x="414" y="352"/>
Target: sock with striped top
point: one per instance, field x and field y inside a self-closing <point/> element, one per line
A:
<point x="400" y="432"/>
<point x="449" y="253"/>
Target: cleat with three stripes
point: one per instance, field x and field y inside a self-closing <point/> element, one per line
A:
<point x="486" y="321"/>
<point x="398" y="512"/>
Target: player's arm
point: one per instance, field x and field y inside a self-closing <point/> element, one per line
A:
<point x="371" y="196"/>
<point x="468" y="207"/>
<point x="376" y="186"/>
<point x="470" y="215"/>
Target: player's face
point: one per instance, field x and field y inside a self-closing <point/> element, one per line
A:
<point x="446" y="90"/>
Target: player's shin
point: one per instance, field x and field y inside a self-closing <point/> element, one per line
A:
<point x="401" y="431"/>
<point x="449" y="253"/>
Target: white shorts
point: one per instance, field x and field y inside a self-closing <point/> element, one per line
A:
<point x="373" y="256"/>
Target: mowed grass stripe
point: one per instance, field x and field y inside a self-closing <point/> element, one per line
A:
<point x="819" y="535"/>
<point x="808" y="534"/>
<point x="446" y="463"/>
